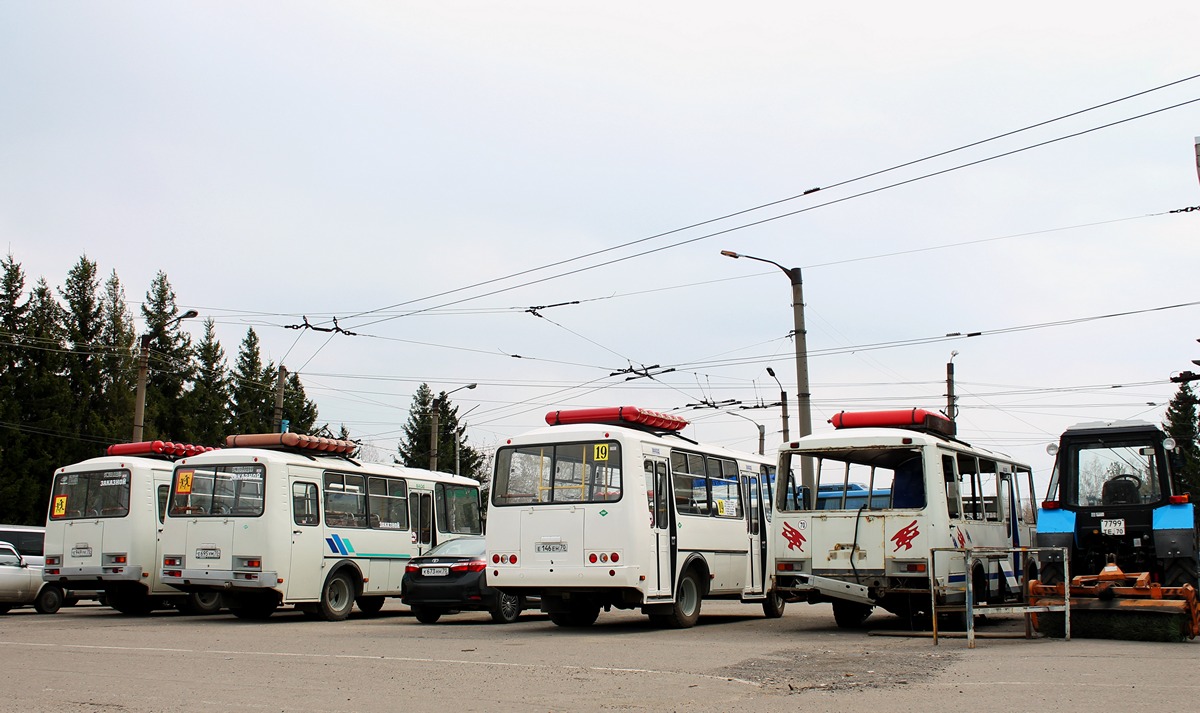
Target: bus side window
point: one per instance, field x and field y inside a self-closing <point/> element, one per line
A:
<point x="953" y="506"/>
<point x="304" y="504"/>
<point x="908" y="484"/>
<point x="164" y="492"/>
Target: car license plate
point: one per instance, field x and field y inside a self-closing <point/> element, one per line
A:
<point x="1113" y="527"/>
<point x="435" y="571"/>
<point x="208" y="553"/>
<point x="81" y="551"/>
<point x="553" y="547"/>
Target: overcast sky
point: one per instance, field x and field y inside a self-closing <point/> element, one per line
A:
<point x="357" y="159"/>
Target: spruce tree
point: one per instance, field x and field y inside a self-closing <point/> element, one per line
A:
<point x="172" y="366"/>
<point x="14" y="477"/>
<point x="414" y="445"/>
<point x="208" y="403"/>
<point x="84" y="325"/>
<point x="252" y="391"/>
<point x="1181" y="424"/>
<point x="118" y="362"/>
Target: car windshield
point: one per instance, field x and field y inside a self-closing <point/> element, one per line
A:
<point x="461" y="547"/>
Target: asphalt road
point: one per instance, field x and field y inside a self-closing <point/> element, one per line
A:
<point x="90" y="658"/>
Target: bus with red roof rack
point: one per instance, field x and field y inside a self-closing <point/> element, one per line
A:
<point x="104" y="527"/>
<point x="614" y="508"/>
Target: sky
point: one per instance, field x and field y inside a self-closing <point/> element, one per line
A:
<point x="534" y="197"/>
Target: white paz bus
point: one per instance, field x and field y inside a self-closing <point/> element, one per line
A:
<point x="104" y="528"/>
<point x="285" y="519"/>
<point x="885" y="488"/>
<point x="612" y="507"/>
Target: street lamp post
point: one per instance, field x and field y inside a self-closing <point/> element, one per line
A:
<point x="803" y="397"/>
<point x="433" y="424"/>
<point x="139" y="399"/>
<point x="762" y="431"/>
<point x="783" y="403"/>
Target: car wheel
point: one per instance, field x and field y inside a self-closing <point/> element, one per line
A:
<point x="369" y="606"/>
<point x="49" y="600"/>
<point x="426" y="616"/>
<point x="507" y="609"/>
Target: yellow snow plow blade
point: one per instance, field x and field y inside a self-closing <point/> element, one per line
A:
<point x="1115" y="605"/>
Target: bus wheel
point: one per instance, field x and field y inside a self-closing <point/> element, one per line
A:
<point x="426" y="616"/>
<point x="369" y="605"/>
<point x="507" y="609"/>
<point x="686" y="610"/>
<point x="850" y="615"/>
<point x="773" y="605"/>
<point x="49" y="600"/>
<point x="200" y="603"/>
<point x="578" y="616"/>
<point x="337" y="597"/>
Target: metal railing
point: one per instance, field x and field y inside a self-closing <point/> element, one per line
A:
<point x="971" y="609"/>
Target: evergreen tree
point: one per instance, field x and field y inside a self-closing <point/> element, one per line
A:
<point x="14" y="477"/>
<point x="414" y="446"/>
<point x="208" y="402"/>
<point x="46" y="402"/>
<point x="84" y="326"/>
<point x="172" y="368"/>
<point x="1181" y="424"/>
<point x="118" y="363"/>
<point x="253" y="393"/>
<point x="299" y="411"/>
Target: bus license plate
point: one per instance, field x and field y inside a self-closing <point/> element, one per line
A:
<point x="1113" y="527"/>
<point x="553" y="547"/>
<point x="435" y="571"/>
<point x="208" y="553"/>
<point x="81" y="551"/>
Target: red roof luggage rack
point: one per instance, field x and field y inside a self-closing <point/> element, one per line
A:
<point x="914" y="419"/>
<point x="163" y="449"/>
<point x="294" y="441"/>
<point x="618" y="416"/>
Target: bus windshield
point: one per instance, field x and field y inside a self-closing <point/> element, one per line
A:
<point x="458" y="509"/>
<point x="560" y="473"/>
<point x="90" y="495"/>
<point x="218" y="490"/>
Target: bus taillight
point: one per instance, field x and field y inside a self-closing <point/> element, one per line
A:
<point x="172" y="561"/>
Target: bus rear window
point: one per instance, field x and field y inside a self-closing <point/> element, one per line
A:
<point x="90" y="495"/>
<point x="860" y="478"/>
<point x="217" y="491"/>
<point x="458" y="509"/>
<point x="561" y="473"/>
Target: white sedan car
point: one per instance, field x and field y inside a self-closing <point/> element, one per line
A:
<point x="21" y="583"/>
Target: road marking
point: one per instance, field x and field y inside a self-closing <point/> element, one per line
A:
<point x="367" y="657"/>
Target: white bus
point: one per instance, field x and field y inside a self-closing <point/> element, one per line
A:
<point x="284" y="519"/>
<point x="104" y="526"/>
<point x="611" y="507"/>
<point x="927" y="489"/>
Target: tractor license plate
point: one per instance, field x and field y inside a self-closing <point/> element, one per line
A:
<point x="1112" y="527"/>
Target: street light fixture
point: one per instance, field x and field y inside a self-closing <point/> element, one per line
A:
<point x="139" y="400"/>
<point x="782" y="402"/>
<point x="803" y="397"/>
<point x="762" y="430"/>
<point x="433" y="424"/>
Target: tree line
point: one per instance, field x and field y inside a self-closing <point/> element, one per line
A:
<point x="68" y="373"/>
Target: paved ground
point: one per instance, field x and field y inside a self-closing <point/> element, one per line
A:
<point x="92" y="659"/>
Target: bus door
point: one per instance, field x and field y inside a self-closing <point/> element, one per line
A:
<point x="305" y="574"/>
<point x="661" y="577"/>
<point x="420" y="505"/>
<point x="756" y="533"/>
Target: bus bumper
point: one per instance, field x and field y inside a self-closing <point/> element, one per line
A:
<point x="66" y="575"/>
<point x="219" y="579"/>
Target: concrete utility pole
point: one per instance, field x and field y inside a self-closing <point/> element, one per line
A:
<point x="951" y="400"/>
<point x="782" y="402"/>
<point x="434" y="426"/>
<point x="277" y="421"/>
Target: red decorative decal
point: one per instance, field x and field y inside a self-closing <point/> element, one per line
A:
<point x="905" y="535"/>
<point x="794" y="537"/>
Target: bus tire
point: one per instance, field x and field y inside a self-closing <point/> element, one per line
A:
<point x="508" y="608"/>
<point x="200" y="603"/>
<point x="773" y="605"/>
<point x="850" y="615"/>
<point x="337" y="597"/>
<point x="578" y="616"/>
<point x="686" y="610"/>
<point x="49" y="600"/>
<point x="369" y="606"/>
<point x="426" y="615"/>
